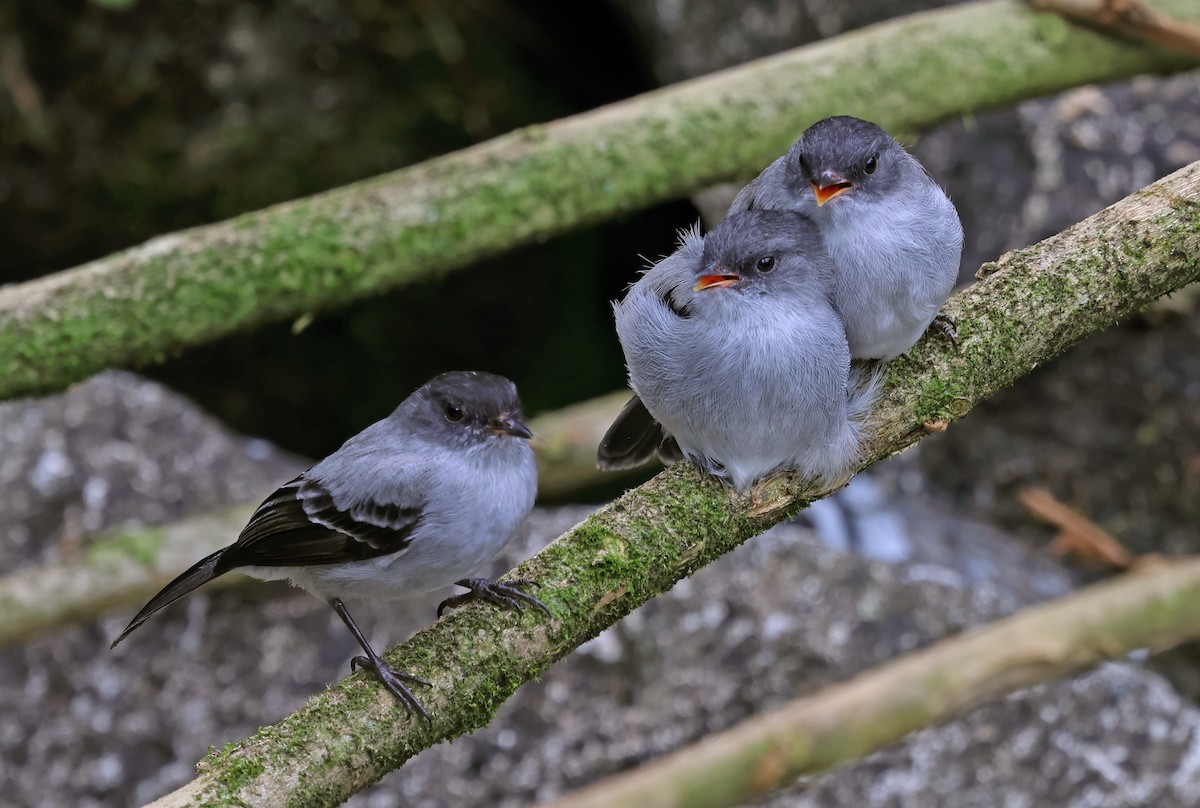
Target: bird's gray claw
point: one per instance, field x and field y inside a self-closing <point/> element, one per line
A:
<point x="393" y="680"/>
<point x="505" y="594"/>
<point x="453" y="603"/>
<point x="945" y="326"/>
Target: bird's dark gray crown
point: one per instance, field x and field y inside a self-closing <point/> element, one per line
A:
<point x="842" y="144"/>
<point x="744" y="237"/>
<point x="480" y="397"/>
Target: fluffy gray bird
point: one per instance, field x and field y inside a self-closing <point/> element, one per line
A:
<point x="734" y="348"/>
<point x="412" y="503"/>
<point x="894" y="235"/>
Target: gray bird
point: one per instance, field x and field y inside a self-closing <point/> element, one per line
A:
<point x="894" y="235"/>
<point x="734" y="348"/>
<point x="412" y="503"/>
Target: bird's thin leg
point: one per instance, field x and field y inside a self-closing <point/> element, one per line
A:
<point x="501" y="594"/>
<point x="392" y="679"/>
<point x="946" y="327"/>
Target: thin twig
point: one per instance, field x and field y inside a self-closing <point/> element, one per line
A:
<point x="1077" y="534"/>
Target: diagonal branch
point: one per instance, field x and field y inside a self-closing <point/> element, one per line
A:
<point x="1028" y="307"/>
<point x="191" y="287"/>
<point x="1077" y="534"/>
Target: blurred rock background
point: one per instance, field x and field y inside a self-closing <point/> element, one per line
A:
<point x="122" y="120"/>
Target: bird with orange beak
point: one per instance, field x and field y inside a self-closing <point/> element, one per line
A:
<point x="893" y="233"/>
<point x="737" y="356"/>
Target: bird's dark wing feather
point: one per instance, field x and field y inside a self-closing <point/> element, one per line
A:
<point x="669" y="451"/>
<point x="300" y="525"/>
<point x="634" y="438"/>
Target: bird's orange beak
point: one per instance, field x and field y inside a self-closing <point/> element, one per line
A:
<point x="831" y="187"/>
<point x="714" y="280"/>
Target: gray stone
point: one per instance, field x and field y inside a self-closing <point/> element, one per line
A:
<point x="117" y="450"/>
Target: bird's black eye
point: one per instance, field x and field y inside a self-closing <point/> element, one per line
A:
<point x="766" y="263"/>
<point x="871" y="164"/>
<point x="453" y="413"/>
<point x="802" y="161"/>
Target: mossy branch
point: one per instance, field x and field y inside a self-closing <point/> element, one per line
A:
<point x="1027" y="308"/>
<point x="190" y="287"/>
<point x="1155" y="608"/>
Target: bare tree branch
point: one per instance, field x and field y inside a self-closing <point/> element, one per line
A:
<point x="124" y="569"/>
<point x="1129" y="18"/>
<point x="1077" y="534"/>
<point x="565" y="444"/>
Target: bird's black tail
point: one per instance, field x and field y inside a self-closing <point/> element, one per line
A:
<point x="200" y="573"/>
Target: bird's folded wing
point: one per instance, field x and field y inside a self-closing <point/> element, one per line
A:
<point x="634" y="438"/>
<point x="300" y="524"/>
